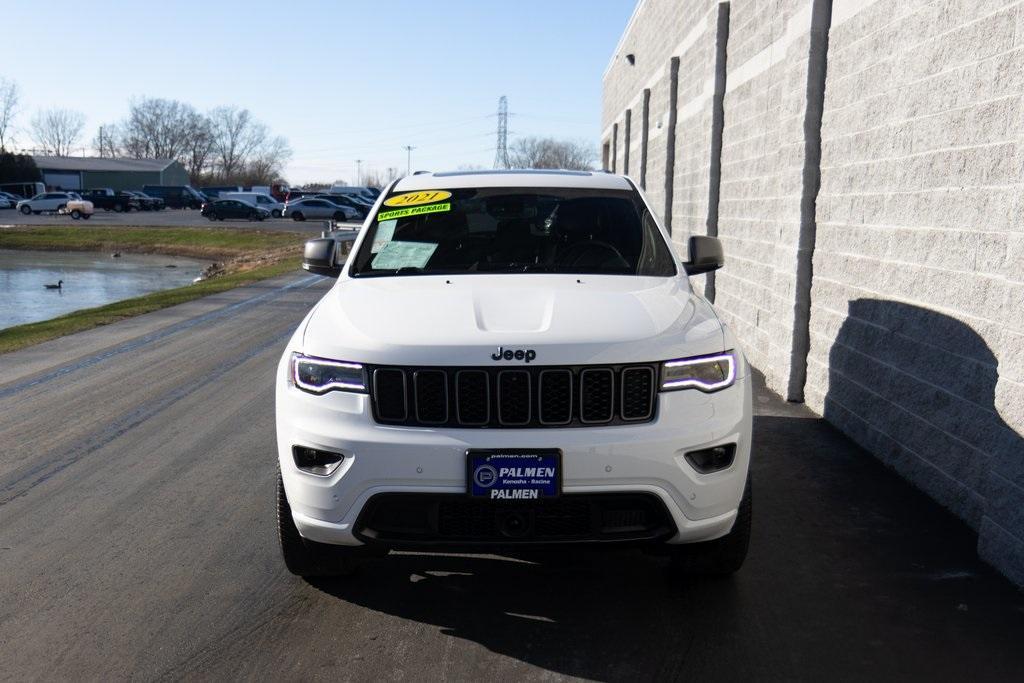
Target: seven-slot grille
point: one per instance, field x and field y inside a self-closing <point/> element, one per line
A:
<point x="513" y="397"/>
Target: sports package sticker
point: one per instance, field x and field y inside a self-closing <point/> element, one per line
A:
<point x="397" y="254"/>
<point x="417" y="198"/>
<point x="413" y="211"/>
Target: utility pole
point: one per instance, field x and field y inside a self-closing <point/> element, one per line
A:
<point x="359" y="171"/>
<point x="408" y="159"/>
<point x="501" y="149"/>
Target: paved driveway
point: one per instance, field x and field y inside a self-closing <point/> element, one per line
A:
<point x="137" y="541"/>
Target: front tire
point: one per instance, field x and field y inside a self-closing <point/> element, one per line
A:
<point x="26" y="210"/>
<point x="298" y="217"/>
<point x="76" y="214"/>
<point x="723" y="556"/>
<point x="303" y="557"/>
<point x="275" y="213"/>
<point x="212" y="217"/>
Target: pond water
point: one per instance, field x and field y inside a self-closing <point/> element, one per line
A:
<point x="90" y="279"/>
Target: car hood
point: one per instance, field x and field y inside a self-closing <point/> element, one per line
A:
<point x="462" y="320"/>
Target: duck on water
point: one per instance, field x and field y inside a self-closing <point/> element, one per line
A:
<point x="56" y="286"/>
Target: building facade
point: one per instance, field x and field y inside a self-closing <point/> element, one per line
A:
<point x="82" y="173"/>
<point x="861" y="161"/>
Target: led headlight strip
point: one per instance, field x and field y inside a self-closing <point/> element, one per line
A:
<point x="320" y="375"/>
<point x="706" y="373"/>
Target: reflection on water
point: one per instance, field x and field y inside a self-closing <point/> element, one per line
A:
<point x="90" y="279"/>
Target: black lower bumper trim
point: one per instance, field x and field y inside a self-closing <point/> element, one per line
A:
<point x="426" y="519"/>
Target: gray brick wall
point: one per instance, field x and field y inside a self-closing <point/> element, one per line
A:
<point x="762" y="162"/>
<point x="917" y="319"/>
<point x="917" y="297"/>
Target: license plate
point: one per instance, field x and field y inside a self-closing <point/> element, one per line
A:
<point x="514" y="474"/>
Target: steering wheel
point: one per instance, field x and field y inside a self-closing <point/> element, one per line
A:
<point x="594" y="253"/>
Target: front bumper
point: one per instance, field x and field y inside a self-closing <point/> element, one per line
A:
<point x="645" y="458"/>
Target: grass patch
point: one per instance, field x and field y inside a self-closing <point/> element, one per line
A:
<point x="14" y="338"/>
<point x="243" y="256"/>
<point x="213" y="243"/>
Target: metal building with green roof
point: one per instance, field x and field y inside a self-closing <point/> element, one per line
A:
<point x="82" y="173"/>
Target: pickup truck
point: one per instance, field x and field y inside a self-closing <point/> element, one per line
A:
<point x="146" y="203"/>
<point x="105" y="198"/>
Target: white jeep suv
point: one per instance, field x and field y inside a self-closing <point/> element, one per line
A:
<point x="512" y="359"/>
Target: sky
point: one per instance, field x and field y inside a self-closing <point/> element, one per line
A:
<point x="340" y="80"/>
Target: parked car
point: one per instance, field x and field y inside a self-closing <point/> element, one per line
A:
<point x="221" y="209"/>
<point x="77" y="207"/>
<point x="45" y="201"/>
<point x="353" y="189"/>
<point x="177" y="196"/>
<point x="11" y="199"/>
<point x="23" y="190"/>
<point x="146" y="203"/>
<point x="105" y="198"/>
<point x="260" y="199"/>
<point x="361" y="207"/>
<point x="455" y="388"/>
<point x="311" y="207"/>
<point x="5" y="203"/>
<point x="215" y="191"/>
<point x="299" y="194"/>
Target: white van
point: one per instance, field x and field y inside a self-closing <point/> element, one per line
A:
<point x="257" y="199"/>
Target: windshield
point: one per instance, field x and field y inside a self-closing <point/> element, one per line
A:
<point x="513" y="230"/>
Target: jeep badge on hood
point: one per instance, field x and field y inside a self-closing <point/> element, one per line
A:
<point x="518" y="354"/>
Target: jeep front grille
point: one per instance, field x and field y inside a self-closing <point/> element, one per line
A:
<point x="576" y="396"/>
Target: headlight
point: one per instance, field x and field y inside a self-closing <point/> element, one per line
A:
<point x="706" y="373"/>
<point x="319" y="375"/>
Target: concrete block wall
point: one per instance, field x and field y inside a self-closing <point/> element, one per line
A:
<point x="665" y="29"/>
<point x="915" y="311"/>
<point x="762" y="164"/>
<point x="917" y="317"/>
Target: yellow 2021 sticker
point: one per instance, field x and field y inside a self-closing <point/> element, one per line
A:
<point x="417" y="198"/>
<point x="413" y="211"/>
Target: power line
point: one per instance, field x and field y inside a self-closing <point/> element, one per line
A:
<point x="501" y="151"/>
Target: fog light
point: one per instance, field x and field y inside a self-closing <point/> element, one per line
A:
<point x="315" y="461"/>
<point x="709" y="460"/>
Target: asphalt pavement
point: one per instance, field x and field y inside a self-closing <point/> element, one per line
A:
<point x="137" y="540"/>
<point x="167" y="218"/>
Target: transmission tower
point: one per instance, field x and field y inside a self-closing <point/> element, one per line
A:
<point x="501" y="151"/>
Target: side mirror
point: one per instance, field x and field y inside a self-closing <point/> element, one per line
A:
<point x="705" y="255"/>
<point x="318" y="258"/>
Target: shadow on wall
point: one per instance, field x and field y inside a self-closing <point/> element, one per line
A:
<point x="917" y="389"/>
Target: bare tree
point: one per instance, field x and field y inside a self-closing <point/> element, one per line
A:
<point x="267" y="162"/>
<point x="158" y="128"/>
<point x="58" y="130"/>
<point x="535" y="152"/>
<point x="9" y="96"/>
<point x="375" y="178"/>
<point x="236" y="137"/>
<point x="198" y="145"/>
<point x="107" y="142"/>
